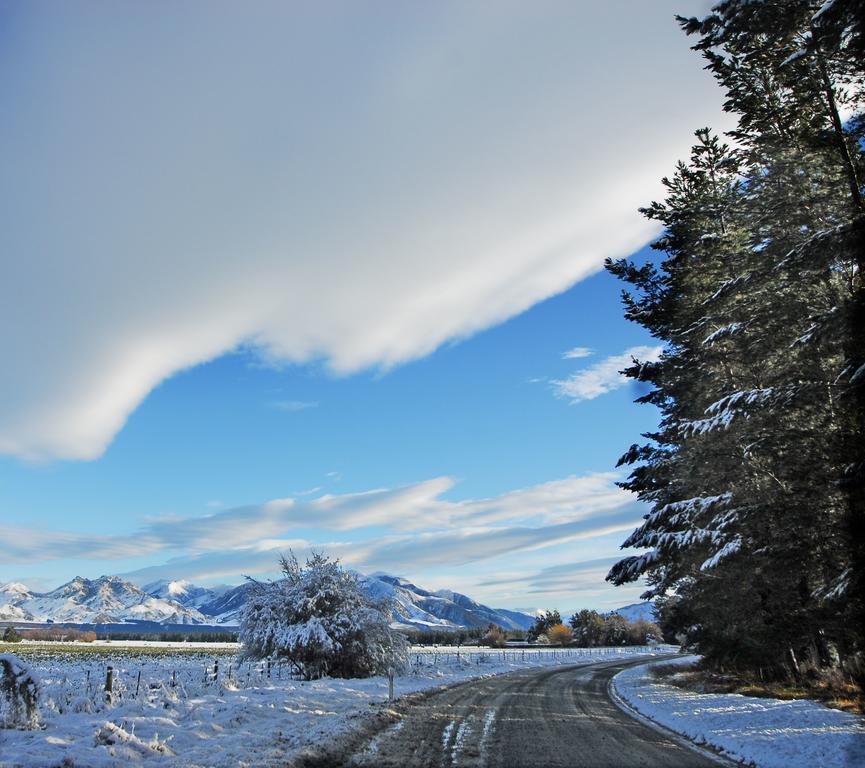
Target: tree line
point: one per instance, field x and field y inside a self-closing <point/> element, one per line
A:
<point x="590" y="629"/>
<point x="754" y="544"/>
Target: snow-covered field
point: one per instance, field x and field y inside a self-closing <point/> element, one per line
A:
<point x="185" y="713"/>
<point x="768" y="733"/>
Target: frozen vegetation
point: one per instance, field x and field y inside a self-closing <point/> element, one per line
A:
<point x="187" y="712"/>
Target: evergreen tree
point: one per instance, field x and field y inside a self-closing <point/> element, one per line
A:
<point x="588" y="627"/>
<point x="543" y="622"/>
<point x="758" y="460"/>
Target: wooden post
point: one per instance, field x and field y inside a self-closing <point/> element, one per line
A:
<point x="109" y="681"/>
<point x="138" y="684"/>
<point x="390" y="673"/>
<point x="216" y="671"/>
<point x="174" y="678"/>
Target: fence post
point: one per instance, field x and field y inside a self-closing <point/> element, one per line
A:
<point x="138" y="684"/>
<point x="390" y="673"/>
<point x="109" y="681"/>
<point x="216" y="671"/>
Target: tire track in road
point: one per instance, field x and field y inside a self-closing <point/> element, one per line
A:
<point x="560" y="717"/>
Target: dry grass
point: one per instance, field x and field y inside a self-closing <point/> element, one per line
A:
<point x="833" y="688"/>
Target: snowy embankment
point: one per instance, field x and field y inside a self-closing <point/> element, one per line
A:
<point x="185" y="713"/>
<point x="768" y="733"/>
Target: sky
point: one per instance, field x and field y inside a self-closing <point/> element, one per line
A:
<point x="295" y="276"/>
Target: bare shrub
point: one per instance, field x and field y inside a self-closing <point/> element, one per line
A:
<point x="495" y="637"/>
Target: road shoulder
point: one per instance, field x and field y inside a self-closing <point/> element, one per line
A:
<point x="768" y="733"/>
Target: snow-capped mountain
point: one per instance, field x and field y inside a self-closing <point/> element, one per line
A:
<point x="110" y="599"/>
<point x="224" y="606"/>
<point x="184" y="592"/>
<point x="12" y="596"/>
<point x="636" y="611"/>
<point x="103" y="600"/>
<point x="418" y="608"/>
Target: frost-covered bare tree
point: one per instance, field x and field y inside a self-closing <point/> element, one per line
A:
<point x="318" y="619"/>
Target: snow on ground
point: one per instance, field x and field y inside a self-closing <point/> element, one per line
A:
<point x="242" y="719"/>
<point x="768" y="733"/>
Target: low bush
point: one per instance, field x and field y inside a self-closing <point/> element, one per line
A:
<point x="19" y="693"/>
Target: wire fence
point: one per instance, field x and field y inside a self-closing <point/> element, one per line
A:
<point x="77" y="682"/>
<point x="453" y="655"/>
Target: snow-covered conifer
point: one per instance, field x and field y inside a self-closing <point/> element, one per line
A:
<point x="756" y="473"/>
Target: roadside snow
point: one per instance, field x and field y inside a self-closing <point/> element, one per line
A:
<point x="767" y="733"/>
<point x="241" y="719"/>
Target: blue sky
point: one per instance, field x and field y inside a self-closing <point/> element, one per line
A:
<point x="484" y="411"/>
<point x="309" y="278"/>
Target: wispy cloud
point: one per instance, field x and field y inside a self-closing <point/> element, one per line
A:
<point x="472" y="545"/>
<point x="604" y="376"/>
<point x="292" y="406"/>
<point x="562" y="577"/>
<point x="577" y="352"/>
<point x="20" y="544"/>
<point x="397" y="554"/>
<point x="421" y="528"/>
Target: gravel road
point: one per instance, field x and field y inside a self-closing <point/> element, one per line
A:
<point x="539" y="717"/>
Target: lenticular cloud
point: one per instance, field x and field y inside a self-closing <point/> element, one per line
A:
<point x="357" y="186"/>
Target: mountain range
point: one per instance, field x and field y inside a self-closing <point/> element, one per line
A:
<point x="111" y="599"/>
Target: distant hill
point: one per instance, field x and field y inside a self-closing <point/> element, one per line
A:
<point x="111" y="599"/>
<point x="636" y="611"/>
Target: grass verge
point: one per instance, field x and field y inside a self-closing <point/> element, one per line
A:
<point x="832" y="688"/>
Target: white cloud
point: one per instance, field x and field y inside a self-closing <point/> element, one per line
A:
<point x="577" y="352"/>
<point x="357" y="184"/>
<point x="471" y="545"/>
<point x="420" y="527"/>
<point x="604" y="376"/>
<point x="506" y="549"/>
<point x="292" y="406"/>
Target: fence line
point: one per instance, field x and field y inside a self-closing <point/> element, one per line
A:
<point x="136" y="677"/>
<point x="432" y="657"/>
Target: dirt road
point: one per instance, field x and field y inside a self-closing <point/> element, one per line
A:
<point x="540" y="717"/>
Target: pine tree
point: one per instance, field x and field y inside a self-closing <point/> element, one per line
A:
<point x="757" y="462"/>
<point x="543" y="622"/>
